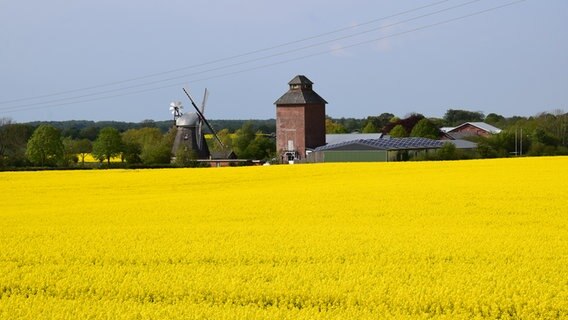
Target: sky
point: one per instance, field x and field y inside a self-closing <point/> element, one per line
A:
<point x="127" y="60"/>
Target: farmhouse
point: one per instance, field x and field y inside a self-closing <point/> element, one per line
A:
<point x="469" y="129"/>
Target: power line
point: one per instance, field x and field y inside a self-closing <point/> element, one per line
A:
<point x="225" y="58"/>
<point x="246" y="61"/>
<point x="31" y="106"/>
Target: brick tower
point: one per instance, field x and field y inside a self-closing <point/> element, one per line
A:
<point x="300" y="120"/>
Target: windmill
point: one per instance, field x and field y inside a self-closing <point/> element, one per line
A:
<point x="189" y="135"/>
<point x="175" y="109"/>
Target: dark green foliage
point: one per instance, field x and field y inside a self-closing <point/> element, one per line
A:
<point x="156" y="154"/>
<point x="494" y="119"/>
<point x="13" y="141"/>
<point x="407" y="123"/>
<point x="243" y="137"/>
<point x="456" y="117"/>
<point x="45" y="147"/>
<point x="261" y="148"/>
<point x="147" y="145"/>
<point x="377" y="123"/>
<point x="545" y="138"/>
<point x="90" y="133"/>
<point x="108" y="144"/>
<point x="246" y="143"/>
<point x="501" y="145"/>
<point x="425" y="129"/>
<point x="82" y="148"/>
<point x="131" y="153"/>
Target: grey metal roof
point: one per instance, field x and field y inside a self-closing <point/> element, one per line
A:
<point x="481" y="125"/>
<point x="385" y="144"/>
<point x="333" y="138"/>
<point x="462" y="144"/>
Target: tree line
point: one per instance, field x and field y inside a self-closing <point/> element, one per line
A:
<point x="148" y="143"/>
<point x="120" y="145"/>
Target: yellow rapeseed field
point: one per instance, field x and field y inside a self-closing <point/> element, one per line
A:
<point x="454" y="240"/>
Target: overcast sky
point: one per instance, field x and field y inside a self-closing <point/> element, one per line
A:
<point x="127" y="60"/>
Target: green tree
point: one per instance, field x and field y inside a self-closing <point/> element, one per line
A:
<point x="261" y="148"/>
<point x="425" y="129"/>
<point x="248" y="144"/>
<point x="13" y="141"/>
<point x="242" y="138"/>
<point x="131" y="153"/>
<point x="90" y="132"/>
<point x="370" y="127"/>
<point x="494" y="118"/>
<point x="378" y="122"/>
<point x="334" y="127"/>
<point x="398" y="132"/>
<point x="186" y="157"/>
<point x="83" y="147"/>
<point x="108" y="144"/>
<point x="159" y="153"/>
<point x="45" y="147"/>
<point x="69" y="152"/>
<point x="448" y="151"/>
<point x="456" y="117"/>
<point x="146" y="145"/>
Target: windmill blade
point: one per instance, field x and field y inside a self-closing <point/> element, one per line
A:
<point x="199" y="134"/>
<point x="202" y="117"/>
<point x="205" y="96"/>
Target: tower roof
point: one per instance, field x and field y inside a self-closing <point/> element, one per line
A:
<point x="300" y="92"/>
<point x="300" y="79"/>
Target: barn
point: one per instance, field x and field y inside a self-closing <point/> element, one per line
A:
<point x="375" y="150"/>
<point x="469" y="129"/>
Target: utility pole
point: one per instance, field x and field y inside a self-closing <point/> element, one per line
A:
<point x="516" y="150"/>
<point x="521" y="141"/>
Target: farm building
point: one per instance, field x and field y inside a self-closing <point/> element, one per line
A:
<point x="365" y="150"/>
<point x="469" y="129"/>
<point x="380" y="150"/>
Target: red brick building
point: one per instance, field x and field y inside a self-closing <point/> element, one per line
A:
<point x="469" y="129"/>
<point x="300" y="120"/>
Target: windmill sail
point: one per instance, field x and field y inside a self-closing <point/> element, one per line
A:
<point x="202" y="118"/>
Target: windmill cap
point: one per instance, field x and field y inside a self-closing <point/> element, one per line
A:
<point x="189" y="119"/>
